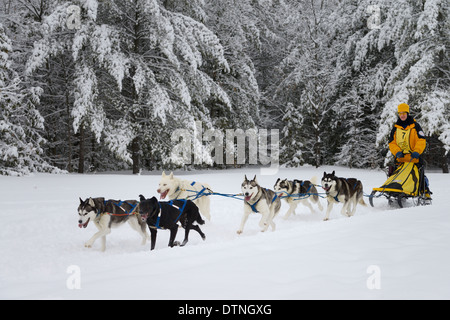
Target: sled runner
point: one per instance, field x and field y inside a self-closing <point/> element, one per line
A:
<point x="407" y="181"/>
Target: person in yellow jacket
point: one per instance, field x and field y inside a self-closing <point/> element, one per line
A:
<point x="407" y="141"/>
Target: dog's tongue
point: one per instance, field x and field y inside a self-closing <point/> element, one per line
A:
<point x="247" y="198"/>
<point x="84" y="225"/>
<point x="163" y="195"/>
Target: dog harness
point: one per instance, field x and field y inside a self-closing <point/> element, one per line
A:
<point x="253" y="206"/>
<point x="158" y="218"/>
<point x="125" y="213"/>
<point x="339" y="191"/>
<point x="200" y="193"/>
<point x="119" y="204"/>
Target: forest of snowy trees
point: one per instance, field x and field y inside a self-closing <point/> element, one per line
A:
<point x="96" y="85"/>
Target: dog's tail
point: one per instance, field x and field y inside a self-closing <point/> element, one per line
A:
<point x="361" y="202"/>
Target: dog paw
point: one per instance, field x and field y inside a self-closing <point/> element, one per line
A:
<point x="325" y="219"/>
<point x="88" y="245"/>
<point x="239" y="231"/>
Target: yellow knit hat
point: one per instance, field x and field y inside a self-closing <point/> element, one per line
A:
<point x="403" y="107"/>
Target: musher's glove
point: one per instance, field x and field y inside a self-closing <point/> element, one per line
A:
<point x="399" y="155"/>
<point x="415" y="155"/>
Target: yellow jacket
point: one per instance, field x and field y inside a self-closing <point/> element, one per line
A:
<point x="407" y="136"/>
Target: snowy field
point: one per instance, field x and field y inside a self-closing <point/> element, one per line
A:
<point x="380" y="253"/>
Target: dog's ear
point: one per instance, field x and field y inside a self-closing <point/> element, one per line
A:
<point x="91" y="202"/>
<point x="277" y="180"/>
<point x="81" y="201"/>
<point x="324" y="173"/>
<point x="154" y="203"/>
<point x="333" y="173"/>
<point x="254" y="179"/>
<point x="245" y="178"/>
<point x="141" y="197"/>
<point x="171" y="175"/>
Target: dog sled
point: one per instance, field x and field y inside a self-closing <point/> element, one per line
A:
<point x="407" y="181"/>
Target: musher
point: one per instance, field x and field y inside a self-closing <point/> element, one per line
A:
<point x="407" y="141"/>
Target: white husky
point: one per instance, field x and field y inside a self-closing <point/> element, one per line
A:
<point x="175" y="188"/>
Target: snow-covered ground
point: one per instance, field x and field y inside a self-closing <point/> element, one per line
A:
<point x="380" y="253"/>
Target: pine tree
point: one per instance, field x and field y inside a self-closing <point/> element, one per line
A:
<point x="137" y="66"/>
<point x="308" y="81"/>
<point x="291" y="137"/>
<point x="20" y="123"/>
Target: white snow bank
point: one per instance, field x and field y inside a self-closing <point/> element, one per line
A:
<point x="305" y="258"/>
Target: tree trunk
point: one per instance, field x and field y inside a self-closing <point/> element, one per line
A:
<point x="135" y="155"/>
<point x="81" y="153"/>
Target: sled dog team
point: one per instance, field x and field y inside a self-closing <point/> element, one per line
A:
<point x="178" y="211"/>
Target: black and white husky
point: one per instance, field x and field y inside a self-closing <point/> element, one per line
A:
<point x="349" y="191"/>
<point x="297" y="191"/>
<point x="259" y="200"/>
<point x="167" y="215"/>
<point x="108" y="214"/>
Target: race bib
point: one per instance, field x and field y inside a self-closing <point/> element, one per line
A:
<point x="402" y="138"/>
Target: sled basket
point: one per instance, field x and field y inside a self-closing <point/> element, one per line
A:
<point x="405" y="180"/>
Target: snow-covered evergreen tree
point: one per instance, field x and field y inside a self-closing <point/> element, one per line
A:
<point x="136" y="63"/>
<point x="20" y="123"/>
<point x="114" y="79"/>
<point x="358" y="137"/>
<point x="309" y="80"/>
<point x="292" y="137"/>
<point x="236" y="23"/>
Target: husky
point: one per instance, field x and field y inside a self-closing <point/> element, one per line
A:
<point x="175" y="188"/>
<point x="167" y="215"/>
<point x="348" y="191"/>
<point x="108" y="214"/>
<point x="291" y="190"/>
<point x="259" y="200"/>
